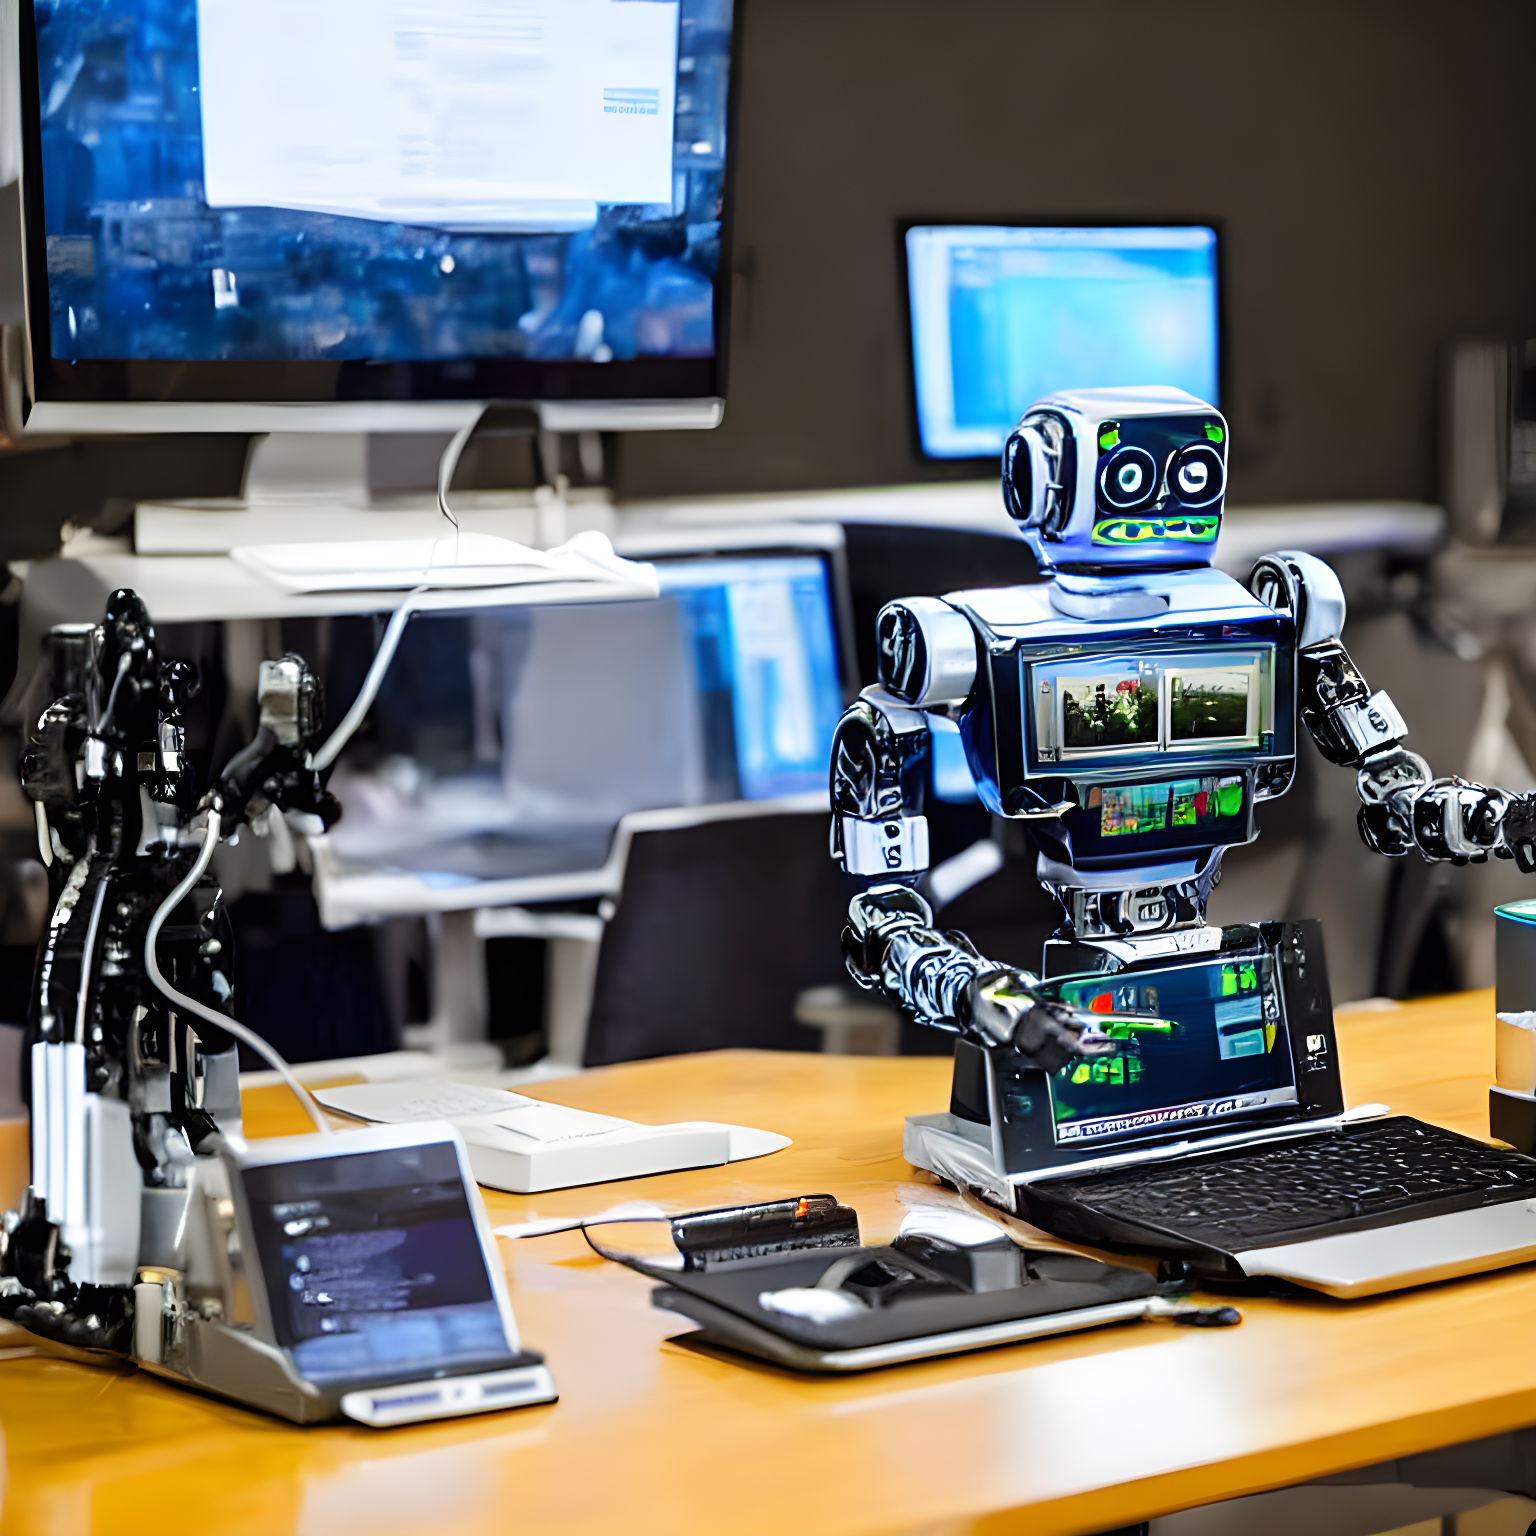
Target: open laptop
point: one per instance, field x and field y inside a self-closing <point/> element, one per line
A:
<point x="1218" y="1136"/>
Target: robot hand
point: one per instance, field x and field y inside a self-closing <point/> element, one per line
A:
<point x="892" y="948"/>
<point x="274" y="769"/>
<point x="1003" y="1009"/>
<point x="1447" y="820"/>
<point x="1520" y="832"/>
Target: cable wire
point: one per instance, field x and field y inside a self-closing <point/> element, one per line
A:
<point x="87" y="958"/>
<point x="191" y="1005"/>
<point x="371" y="684"/>
<point x="448" y="464"/>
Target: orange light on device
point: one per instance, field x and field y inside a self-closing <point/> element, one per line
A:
<point x="1103" y="1003"/>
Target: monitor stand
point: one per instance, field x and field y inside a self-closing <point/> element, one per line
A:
<point x="303" y="486"/>
<point x="330" y="468"/>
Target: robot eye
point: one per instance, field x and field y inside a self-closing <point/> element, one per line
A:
<point x="1128" y="479"/>
<point x="1196" y="475"/>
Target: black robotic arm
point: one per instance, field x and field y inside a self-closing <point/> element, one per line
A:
<point x="879" y="768"/>
<point x="1403" y="806"/>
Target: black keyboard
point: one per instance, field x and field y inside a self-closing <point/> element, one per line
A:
<point x="1249" y="1197"/>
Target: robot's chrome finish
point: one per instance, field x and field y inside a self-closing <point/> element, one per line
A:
<point x="891" y="946"/>
<point x="1133" y="707"/>
<point x="927" y="653"/>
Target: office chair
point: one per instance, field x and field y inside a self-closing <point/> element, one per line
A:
<point x="718" y="928"/>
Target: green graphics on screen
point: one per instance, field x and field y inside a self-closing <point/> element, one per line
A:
<point x="1207" y="801"/>
<point x="1241" y="1029"/>
<point x="1140" y="530"/>
<point x="1196" y="1040"/>
<point x="1209" y="704"/>
<point x="1130" y="1014"/>
<point x="1119" y="710"/>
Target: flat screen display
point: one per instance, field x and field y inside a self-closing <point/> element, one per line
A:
<point x="372" y="1263"/>
<point x="1209" y="1041"/>
<point x="382" y="180"/>
<point x="1003" y="314"/>
<point x="1207" y="803"/>
<point x="760" y="631"/>
<point x="1110" y="711"/>
<point x="1184" y="703"/>
<point x="507" y="743"/>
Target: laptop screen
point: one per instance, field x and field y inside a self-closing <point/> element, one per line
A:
<point x="1208" y="1041"/>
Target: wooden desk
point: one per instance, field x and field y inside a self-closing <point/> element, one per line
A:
<point x="1075" y="1434"/>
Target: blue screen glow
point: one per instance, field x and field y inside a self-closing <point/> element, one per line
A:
<point x="1003" y="315"/>
<point x="763" y="647"/>
<point x="382" y="179"/>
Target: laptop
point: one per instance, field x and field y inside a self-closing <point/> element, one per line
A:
<point x="1217" y="1138"/>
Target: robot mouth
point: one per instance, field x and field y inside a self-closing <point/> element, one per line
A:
<point x="1145" y="530"/>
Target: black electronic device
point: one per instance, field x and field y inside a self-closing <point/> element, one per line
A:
<point x="1217" y="1136"/>
<point x="787" y="1281"/>
<point x="1206" y="1207"/>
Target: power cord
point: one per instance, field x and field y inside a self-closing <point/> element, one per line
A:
<point x="191" y="1005"/>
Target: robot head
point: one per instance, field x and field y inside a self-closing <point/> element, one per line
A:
<point x="1118" y="479"/>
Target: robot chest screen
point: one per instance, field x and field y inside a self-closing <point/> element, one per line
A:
<point x="1151" y="743"/>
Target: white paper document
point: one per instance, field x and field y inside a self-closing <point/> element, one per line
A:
<point x="451" y="561"/>
<point x="461" y="114"/>
<point x="527" y="1145"/>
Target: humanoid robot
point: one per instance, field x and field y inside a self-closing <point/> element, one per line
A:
<point x="1132" y="708"/>
<point x="130" y="1051"/>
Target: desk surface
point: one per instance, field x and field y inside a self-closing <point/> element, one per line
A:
<point x="1074" y="1434"/>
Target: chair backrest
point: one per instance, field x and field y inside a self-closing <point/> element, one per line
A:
<point x="719" y="926"/>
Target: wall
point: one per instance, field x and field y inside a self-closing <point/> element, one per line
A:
<point x="1369" y="165"/>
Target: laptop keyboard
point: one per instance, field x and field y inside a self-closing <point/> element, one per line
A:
<point x="1252" y="1196"/>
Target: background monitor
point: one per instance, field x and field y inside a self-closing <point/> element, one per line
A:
<point x="507" y="743"/>
<point x="1003" y="314"/>
<point x="352" y="202"/>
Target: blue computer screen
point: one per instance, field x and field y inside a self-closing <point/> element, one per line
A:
<point x="372" y="1263"/>
<point x="508" y="742"/>
<point x="1003" y="315"/>
<point x="382" y="179"/>
<point x="761" y="636"/>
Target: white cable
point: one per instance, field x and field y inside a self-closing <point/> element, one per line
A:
<point x="450" y="462"/>
<point x="85" y="959"/>
<point x="122" y="672"/>
<point x="220" y="1020"/>
<point x="371" y="684"/>
<point x="353" y="718"/>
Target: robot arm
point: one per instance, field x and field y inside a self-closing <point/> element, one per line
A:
<point x="879" y="767"/>
<point x="274" y="770"/>
<point x="1403" y="806"/>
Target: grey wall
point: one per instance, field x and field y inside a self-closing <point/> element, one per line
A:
<point x="1370" y="164"/>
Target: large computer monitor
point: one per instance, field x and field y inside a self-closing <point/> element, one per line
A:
<point x="381" y="212"/>
<point x="1002" y="314"/>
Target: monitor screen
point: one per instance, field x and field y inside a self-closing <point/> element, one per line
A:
<point x="372" y="1263"/>
<point x="1228" y="1052"/>
<point x="473" y="185"/>
<point x="760" y="634"/>
<point x="1106" y="708"/>
<point x="1002" y="315"/>
<point x="508" y="743"/>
